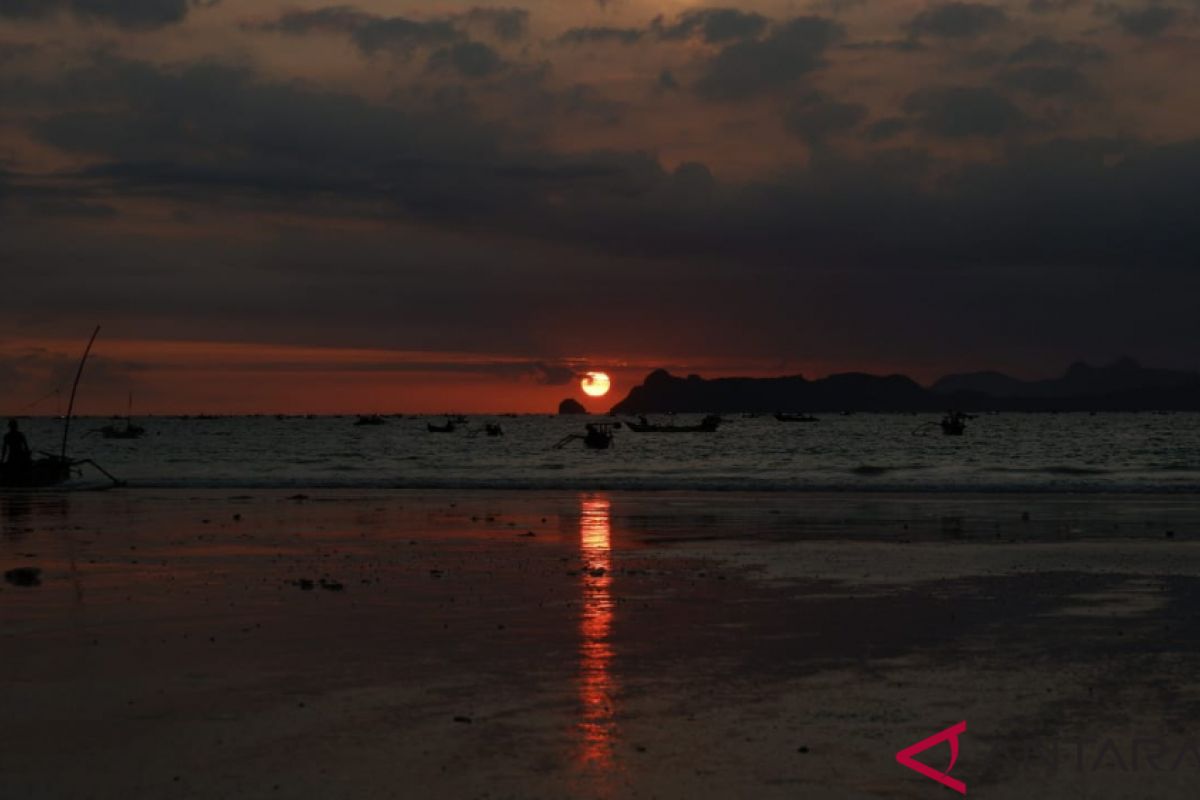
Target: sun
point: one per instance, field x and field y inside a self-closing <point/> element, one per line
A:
<point x="595" y="384"/>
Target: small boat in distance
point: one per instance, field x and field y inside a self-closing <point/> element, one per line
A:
<point x="493" y="429"/>
<point x="782" y="417"/>
<point x="707" y="425"/>
<point x="370" y="419"/>
<point x="126" y="431"/>
<point x="447" y="428"/>
<point x="955" y="423"/>
<point x="129" y="431"/>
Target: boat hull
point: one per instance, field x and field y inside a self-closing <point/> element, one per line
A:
<point x="39" y="474"/>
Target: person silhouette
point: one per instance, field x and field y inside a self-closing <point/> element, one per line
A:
<point x="15" y="452"/>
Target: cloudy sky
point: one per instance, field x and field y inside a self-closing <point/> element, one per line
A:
<point x="406" y="205"/>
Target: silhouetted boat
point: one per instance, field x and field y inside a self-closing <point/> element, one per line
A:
<point x="955" y="423"/>
<point x="129" y="431"/>
<point x="50" y="469"/>
<point x="493" y="429"/>
<point x="447" y="428"/>
<point x="597" y="436"/>
<point x="41" y="472"/>
<point x="126" y="431"/>
<point x="370" y="419"/>
<point x="794" y="417"/>
<point x="707" y="425"/>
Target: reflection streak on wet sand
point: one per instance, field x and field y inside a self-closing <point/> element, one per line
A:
<point x="596" y="684"/>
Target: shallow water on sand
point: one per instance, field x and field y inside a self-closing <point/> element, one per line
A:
<point x="593" y="645"/>
<point x="864" y="452"/>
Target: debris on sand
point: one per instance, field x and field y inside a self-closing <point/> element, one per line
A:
<point x="304" y="583"/>
<point x="24" y="576"/>
<point x="527" y="533"/>
<point x="332" y="586"/>
<point x="463" y="719"/>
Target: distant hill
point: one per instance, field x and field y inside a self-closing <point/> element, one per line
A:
<point x="1080" y="380"/>
<point x="1124" y="385"/>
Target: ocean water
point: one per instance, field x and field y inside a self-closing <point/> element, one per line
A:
<point x="864" y="452"/>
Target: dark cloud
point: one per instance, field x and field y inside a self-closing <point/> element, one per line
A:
<point x="469" y="59"/>
<point x="204" y="136"/>
<point x="713" y="25"/>
<point x="11" y="51"/>
<point x="887" y="128"/>
<point x="1045" y="49"/>
<point x="814" y="116"/>
<point x="957" y="20"/>
<point x="909" y="45"/>
<point x="1147" y="22"/>
<point x="957" y="112"/>
<point x="506" y="24"/>
<point x="370" y="33"/>
<point x="131" y="14"/>
<point x="553" y="374"/>
<point x="1048" y="81"/>
<point x="836" y="6"/>
<point x="601" y="35"/>
<point x="791" y="50"/>
<point x="585" y="100"/>
<point x="1052" y="6"/>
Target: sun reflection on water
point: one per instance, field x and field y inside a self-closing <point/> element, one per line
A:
<point x="596" y="684"/>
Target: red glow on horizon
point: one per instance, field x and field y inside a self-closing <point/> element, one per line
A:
<point x="206" y="377"/>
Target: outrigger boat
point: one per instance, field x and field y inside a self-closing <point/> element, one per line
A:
<point x="51" y="469"/>
<point x="795" y="417"/>
<point x="707" y="425"/>
<point x="597" y="436"/>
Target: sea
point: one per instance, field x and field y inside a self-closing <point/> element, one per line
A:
<point x="1010" y="452"/>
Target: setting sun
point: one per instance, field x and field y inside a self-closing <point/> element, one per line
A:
<point x="595" y="384"/>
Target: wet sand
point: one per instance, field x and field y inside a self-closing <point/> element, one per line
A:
<point x="542" y="645"/>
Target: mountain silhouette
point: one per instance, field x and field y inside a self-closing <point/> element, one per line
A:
<point x="1124" y="385"/>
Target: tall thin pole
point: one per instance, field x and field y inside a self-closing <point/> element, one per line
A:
<point x="74" y="387"/>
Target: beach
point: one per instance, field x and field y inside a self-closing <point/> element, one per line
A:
<point x="202" y="643"/>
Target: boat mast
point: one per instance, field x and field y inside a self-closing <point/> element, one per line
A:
<point x="74" y="387"/>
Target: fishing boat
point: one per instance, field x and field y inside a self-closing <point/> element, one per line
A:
<point x="707" y="425"/>
<point x="955" y="423"/>
<point x="50" y="469"/>
<point x="795" y="417"/>
<point x="596" y="436"/>
<point x="370" y="419"/>
<point x="447" y="428"/>
<point x="128" y="430"/>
